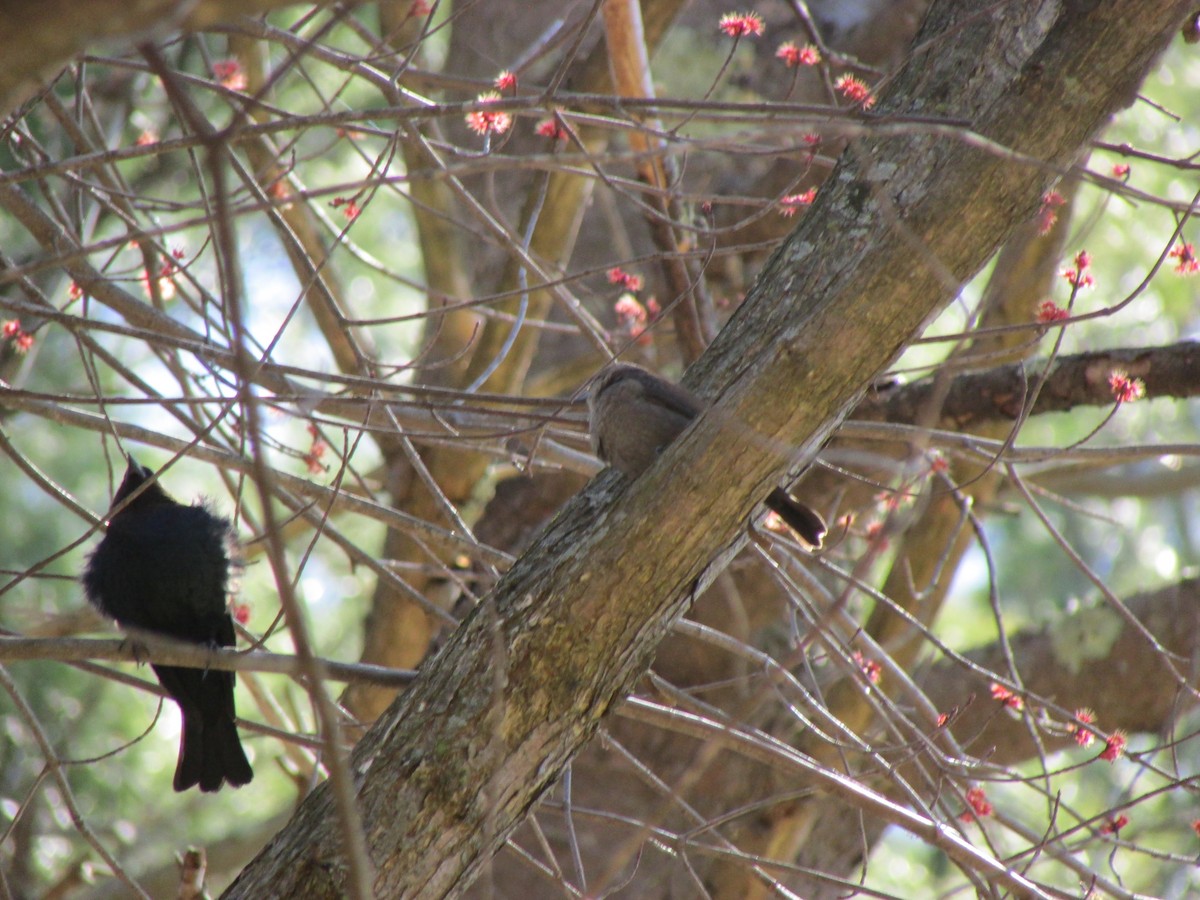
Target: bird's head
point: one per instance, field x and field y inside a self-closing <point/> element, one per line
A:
<point x="135" y="482"/>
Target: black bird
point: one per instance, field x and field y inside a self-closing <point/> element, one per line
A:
<point x="164" y="567"/>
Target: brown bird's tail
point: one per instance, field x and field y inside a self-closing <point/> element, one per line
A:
<point x="807" y="524"/>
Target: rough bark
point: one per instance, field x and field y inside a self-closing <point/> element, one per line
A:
<point x="452" y="767"/>
<point x="1081" y="379"/>
<point x="37" y="37"/>
<point x="1074" y="664"/>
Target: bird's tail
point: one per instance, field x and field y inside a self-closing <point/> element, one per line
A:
<point x="210" y="754"/>
<point x="807" y="523"/>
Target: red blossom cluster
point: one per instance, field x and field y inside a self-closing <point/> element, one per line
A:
<point x="348" y="205"/>
<point x="634" y="318"/>
<point x="1114" y="746"/>
<point x="1114" y="824"/>
<point x="871" y="668"/>
<point x="1185" y="259"/>
<point x="1007" y="697"/>
<point x="1048" y="311"/>
<point x="618" y="276"/>
<point x="1125" y="389"/>
<point x="1083" y="736"/>
<point x="281" y="189"/>
<point x="980" y="806"/>
<point x="855" y="90"/>
<point x="552" y="128"/>
<point x="791" y="202"/>
<point x="1048" y="214"/>
<point x="505" y="81"/>
<point x="165" y="278"/>
<point x="487" y="121"/>
<point x="229" y="72"/>
<point x="1078" y="275"/>
<point x="740" y="25"/>
<point x="316" y="451"/>
<point x="12" y="331"/>
<point x="793" y="56"/>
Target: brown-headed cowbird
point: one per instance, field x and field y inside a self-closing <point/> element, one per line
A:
<point x="633" y="414"/>
<point x="164" y="567"/>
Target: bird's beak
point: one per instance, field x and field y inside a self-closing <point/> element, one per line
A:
<point x="137" y="466"/>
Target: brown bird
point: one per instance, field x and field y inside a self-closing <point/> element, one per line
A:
<point x="164" y="567"/>
<point x="633" y="414"/>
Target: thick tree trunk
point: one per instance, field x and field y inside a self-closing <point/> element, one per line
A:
<point x="38" y="37"/>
